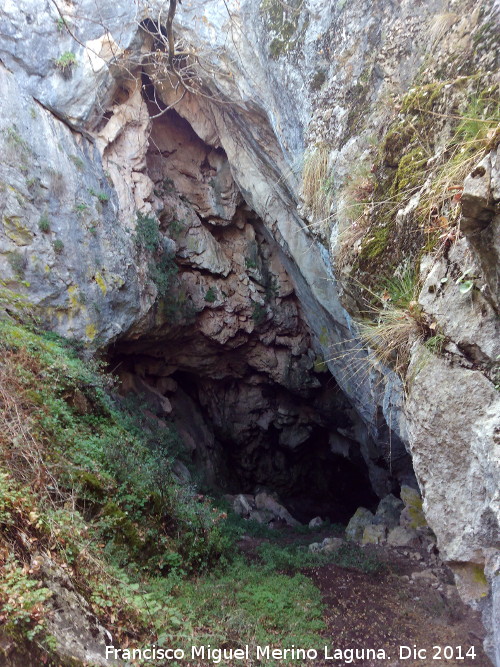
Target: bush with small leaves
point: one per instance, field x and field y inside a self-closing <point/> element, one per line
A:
<point x="44" y="224"/>
<point x="66" y="61"/>
<point x="58" y="246"/>
<point x="210" y="295"/>
<point x="17" y="263"/>
<point x="101" y="196"/>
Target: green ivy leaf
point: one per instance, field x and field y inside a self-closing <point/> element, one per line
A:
<point x="466" y="286"/>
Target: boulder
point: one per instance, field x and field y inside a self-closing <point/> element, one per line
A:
<point x="261" y="516"/>
<point x="401" y="537"/>
<point x="330" y="544"/>
<point x="243" y="504"/>
<point x="264" y="501"/>
<point x="374" y="534"/>
<point x="316" y="522"/>
<point x="356" y="526"/>
<point x="389" y="510"/>
<point x="414" y="514"/>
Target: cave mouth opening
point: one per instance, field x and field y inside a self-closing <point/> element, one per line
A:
<point x="226" y="354"/>
<point x="243" y="435"/>
<point x="292" y="455"/>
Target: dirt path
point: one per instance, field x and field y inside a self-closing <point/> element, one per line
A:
<point x="401" y="607"/>
<point x="412" y="603"/>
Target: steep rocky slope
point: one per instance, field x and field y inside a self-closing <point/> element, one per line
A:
<point x="223" y="251"/>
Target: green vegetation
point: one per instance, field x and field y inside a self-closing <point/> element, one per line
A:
<point x="66" y="62"/>
<point x="77" y="161"/>
<point x="248" y="605"/>
<point x="81" y="207"/>
<point x="411" y="167"/>
<point x="112" y="462"/>
<point x="58" y="246"/>
<point x="15" y="139"/>
<point x="282" y="21"/>
<point x="162" y="268"/>
<point x="44" y="224"/>
<point x="176" y="227"/>
<point x="395" y="320"/>
<point x="465" y="281"/>
<point x="166" y="187"/>
<point x="291" y="558"/>
<point x="147" y="233"/>
<point x="210" y="295"/>
<point x="402" y="289"/>
<point x="408" y="203"/>
<point x="101" y="196"/>
<point x="88" y="480"/>
<point x="259" y="313"/>
<point x="435" y="343"/>
<point x="162" y="272"/>
<point x="61" y="24"/>
<point x="17" y="263"/>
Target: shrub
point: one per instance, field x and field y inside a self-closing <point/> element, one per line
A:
<point x="44" y="224"/>
<point x="17" y="263"/>
<point x="210" y="295"/>
<point x="22" y="600"/>
<point x="77" y="161"/>
<point x="101" y="196"/>
<point x="176" y="227"/>
<point x="66" y="62"/>
<point x="162" y="271"/>
<point x="147" y="233"/>
<point x="259" y="313"/>
<point x="316" y="185"/>
<point x="58" y="246"/>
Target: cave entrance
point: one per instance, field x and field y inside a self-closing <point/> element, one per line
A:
<point x="246" y="433"/>
<point x="225" y="353"/>
<point x="266" y="439"/>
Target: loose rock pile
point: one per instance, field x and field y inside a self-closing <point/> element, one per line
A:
<point x="397" y="522"/>
<point x="263" y="508"/>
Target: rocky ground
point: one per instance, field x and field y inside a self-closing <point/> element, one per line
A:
<point x="411" y="601"/>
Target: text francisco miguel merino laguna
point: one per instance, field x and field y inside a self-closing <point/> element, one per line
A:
<point x="218" y="655"/>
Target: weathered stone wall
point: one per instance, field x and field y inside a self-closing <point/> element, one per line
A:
<point x="325" y="76"/>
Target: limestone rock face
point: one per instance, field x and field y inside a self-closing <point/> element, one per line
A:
<point x="60" y="248"/>
<point x="481" y="219"/>
<point x="242" y="285"/>
<point x="458" y="457"/>
<point x="88" y="638"/>
<point x="36" y="41"/>
<point x="453" y="404"/>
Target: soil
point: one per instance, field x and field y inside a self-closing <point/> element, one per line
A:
<point x="412" y="603"/>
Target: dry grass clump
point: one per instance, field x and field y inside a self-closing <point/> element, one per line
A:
<point x="316" y="186"/>
<point x="19" y="447"/>
<point x="357" y="195"/>
<point x="392" y="336"/>
<point x="439" y="26"/>
<point x="477" y="132"/>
